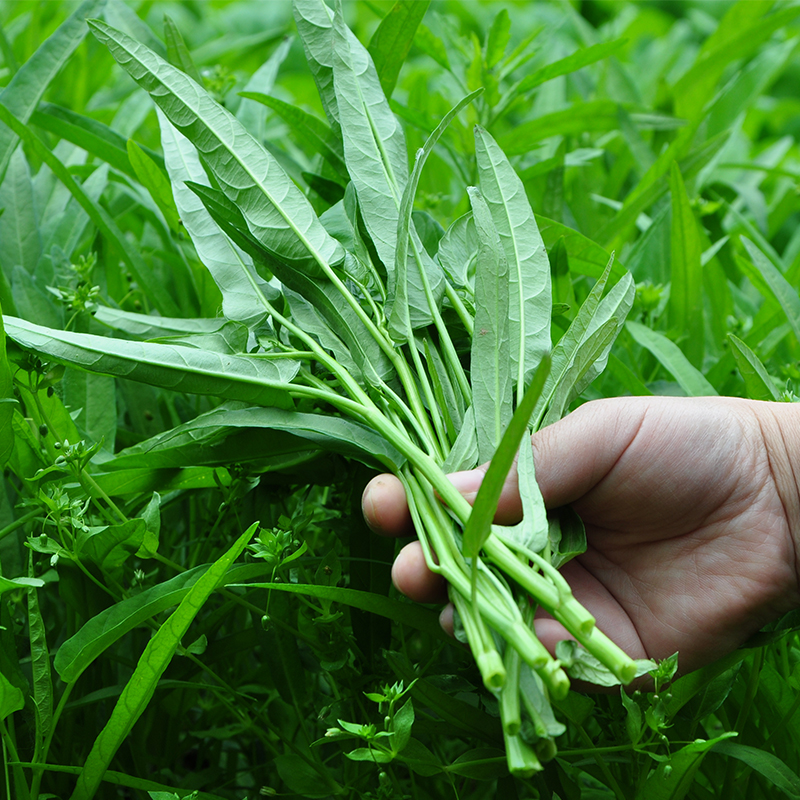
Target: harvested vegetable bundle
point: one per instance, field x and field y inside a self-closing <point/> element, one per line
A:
<point x="372" y="336"/>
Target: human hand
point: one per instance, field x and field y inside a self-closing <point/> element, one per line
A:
<point x="692" y="513"/>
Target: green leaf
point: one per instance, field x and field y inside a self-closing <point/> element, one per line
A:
<point x="762" y="761"/>
<point x="578" y="357"/>
<point x="479" y="524"/>
<point x="19" y="227"/>
<point x="199" y="440"/>
<point x="7" y="402"/>
<point x="497" y="38"/>
<point x="243" y="292"/>
<point x="26" y="88"/>
<point x="528" y="265"/>
<point x="310" y="130"/>
<point x="179" y="368"/>
<point x="149" y="326"/>
<point x="42" y="678"/>
<point x="392" y="40"/>
<point x="11" y="698"/>
<point x="567" y="535"/>
<point x="490" y="373"/>
<point x="532" y="530"/>
<point x="458" y="250"/>
<point x="111" y="545"/>
<point x="670" y="356"/>
<point x="276" y="211"/>
<point x="155" y="181"/>
<point x="327" y="299"/>
<point x="757" y="380"/>
<point x="673" y="778"/>
<point x="178" y="53"/>
<point x="578" y="60"/>
<point x="253" y="115"/>
<point x="686" y="288"/>
<point x="582" y="665"/>
<point x="411" y="296"/>
<point x="374" y="144"/>
<point x="156" y="658"/>
<point x="595" y="116"/>
<point x="89" y="134"/>
<point x="133" y="260"/>
<point x="779" y="289"/>
<point x="314" y="22"/>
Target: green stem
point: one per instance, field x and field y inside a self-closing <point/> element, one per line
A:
<point x="18" y="523"/>
<point x="461" y="310"/>
<point x="481" y="643"/>
<point x="510" y="711"/>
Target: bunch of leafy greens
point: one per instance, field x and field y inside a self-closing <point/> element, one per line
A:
<point x="370" y="333"/>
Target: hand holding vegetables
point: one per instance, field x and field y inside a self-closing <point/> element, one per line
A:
<point x="692" y="512"/>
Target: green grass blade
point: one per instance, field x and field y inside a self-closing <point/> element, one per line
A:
<point x="581" y="58"/>
<point x="277" y="212"/>
<point x="758" y="383"/>
<point x="7" y="402"/>
<point x="155" y="659"/>
<point x="686" y="288"/>
<point x="490" y="358"/>
<point x="185" y="369"/>
<point x="30" y="82"/>
<point x="101" y="218"/>
<point x="310" y="130"/>
<point x="391" y="42"/>
<point x="778" y="288"/>
<point x="152" y="177"/>
<point x="419" y="618"/>
<point x="479" y="524"/>
<point x="89" y="134"/>
<point x="178" y="53"/>
<point x="670" y="356"/>
<point x="528" y="265"/>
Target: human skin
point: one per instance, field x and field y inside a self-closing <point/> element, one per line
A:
<point x="692" y="514"/>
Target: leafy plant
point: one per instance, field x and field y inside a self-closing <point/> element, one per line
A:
<point x="354" y="327"/>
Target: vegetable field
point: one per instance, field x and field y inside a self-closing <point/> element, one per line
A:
<point x="253" y="253"/>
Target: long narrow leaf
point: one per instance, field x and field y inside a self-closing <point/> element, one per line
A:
<point x="30" y="82"/>
<point x="156" y="658"/>
<point x="185" y="369"/>
<point x="277" y="213"/>
<point x="529" y="268"/>
<point x="671" y="357"/>
<point x="479" y="524"/>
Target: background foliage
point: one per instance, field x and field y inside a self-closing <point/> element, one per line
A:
<point x="663" y="132"/>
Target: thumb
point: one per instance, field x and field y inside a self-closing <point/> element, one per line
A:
<point x="570" y="457"/>
<point x="575" y="454"/>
